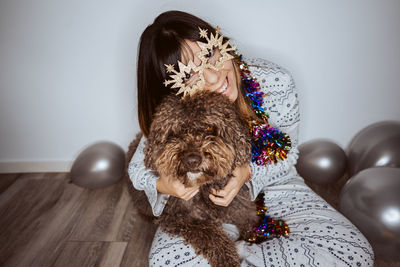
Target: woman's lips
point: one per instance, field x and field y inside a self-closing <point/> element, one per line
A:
<point x="225" y="87"/>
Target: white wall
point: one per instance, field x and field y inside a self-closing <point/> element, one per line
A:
<point x="67" y="68"/>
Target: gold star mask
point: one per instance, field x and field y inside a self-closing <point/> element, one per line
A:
<point x="213" y="54"/>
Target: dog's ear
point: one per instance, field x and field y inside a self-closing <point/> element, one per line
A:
<point x="165" y="122"/>
<point x="238" y="131"/>
<point x="243" y="141"/>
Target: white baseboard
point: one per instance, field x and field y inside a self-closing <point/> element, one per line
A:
<point x="35" y="166"/>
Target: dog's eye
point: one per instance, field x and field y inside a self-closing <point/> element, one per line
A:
<point x="208" y="155"/>
<point x="171" y="135"/>
<point x="210" y="130"/>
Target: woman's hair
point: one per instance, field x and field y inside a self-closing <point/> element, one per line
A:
<point x="160" y="44"/>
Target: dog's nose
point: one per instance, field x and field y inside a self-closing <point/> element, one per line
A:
<point x="192" y="161"/>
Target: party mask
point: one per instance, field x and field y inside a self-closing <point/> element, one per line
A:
<point x="213" y="54"/>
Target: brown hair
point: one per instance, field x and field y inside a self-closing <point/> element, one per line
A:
<point x="161" y="44"/>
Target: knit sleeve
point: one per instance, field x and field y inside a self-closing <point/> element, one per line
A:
<point x="144" y="179"/>
<point x="281" y="103"/>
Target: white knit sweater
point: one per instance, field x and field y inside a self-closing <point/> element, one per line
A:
<point x="282" y="106"/>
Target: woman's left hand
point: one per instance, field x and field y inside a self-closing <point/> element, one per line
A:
<point x="225" y="196"/>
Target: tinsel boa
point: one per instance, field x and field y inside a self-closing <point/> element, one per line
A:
<point x="269" y="145"/>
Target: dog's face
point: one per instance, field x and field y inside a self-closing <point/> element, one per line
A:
<point x="197" y="139"/>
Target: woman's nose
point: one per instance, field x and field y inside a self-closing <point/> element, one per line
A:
<point x="211" y="76"/>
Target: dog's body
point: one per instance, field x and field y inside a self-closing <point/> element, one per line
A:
<point x="200" y="140"/>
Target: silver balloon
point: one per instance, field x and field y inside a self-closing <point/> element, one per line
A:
<point x="321" y="161"/>
<point x="371" y="200"/>
<point x="99" y="165"/>
<point x="375" y="145"/>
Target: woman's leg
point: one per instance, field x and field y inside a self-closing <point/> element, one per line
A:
<point x="169" y="250"/>
<point x="320" y="236"/>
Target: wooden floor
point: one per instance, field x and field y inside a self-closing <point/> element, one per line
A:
<point x="46" y="221"/>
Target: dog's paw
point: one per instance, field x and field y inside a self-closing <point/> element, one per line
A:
<point x="231" y="231"/>
<point x="227" y="260"/>
<point x="224" y="255"/>
<point x="242" y="249"/>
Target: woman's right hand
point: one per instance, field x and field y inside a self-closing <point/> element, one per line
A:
<point x="173" y="187"/>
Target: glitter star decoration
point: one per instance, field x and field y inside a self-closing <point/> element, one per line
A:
<point x="215" y="46"/>
<point x="170" y="68"/>
<point x="213" y="54"/>
<point x="203" y="33"/>
<point x="178" y="78"/>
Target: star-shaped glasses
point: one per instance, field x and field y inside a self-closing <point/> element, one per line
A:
<point x="213" y="54"/>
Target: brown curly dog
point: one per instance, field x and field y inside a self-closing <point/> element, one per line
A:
<point x="200" y="140"/>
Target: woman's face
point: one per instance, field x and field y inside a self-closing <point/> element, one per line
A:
<point x="222" y="81"/>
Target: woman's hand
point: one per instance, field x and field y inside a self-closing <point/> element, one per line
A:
<point x="225" y="196"/>
<point x="173" y="187"/>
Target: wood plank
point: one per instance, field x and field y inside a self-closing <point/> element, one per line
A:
<point x="104" y="254"/>
<point x="43" y="218"/>
<point x="47" y="175"/>
<point x="108" y="217"/>
<point x="137" y="251"/>
<point x="114" y="254"/>
<point x="35" y="221"/>
<point x="6" y="180"/>
<point x="40" y="212"/>
<point x="16" y="187"/>
<point x="17" y="181"/>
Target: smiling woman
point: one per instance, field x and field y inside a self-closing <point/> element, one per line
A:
<point x="176" y="59"/>
<point x="214" y="71"/>
<point x="180" y="54"/>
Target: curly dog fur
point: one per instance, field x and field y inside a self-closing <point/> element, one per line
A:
<point x="200" y="140"/>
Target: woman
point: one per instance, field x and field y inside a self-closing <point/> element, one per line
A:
<point x="320" y="236"/>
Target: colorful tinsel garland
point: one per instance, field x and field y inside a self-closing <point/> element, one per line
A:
<point x="269" y="144"/>
<point x="266" y="228"/>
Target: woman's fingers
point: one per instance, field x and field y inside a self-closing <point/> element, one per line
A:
<point x="191" y="194"/>
<point x="179" y="189"/>
<point x="183" y="192"/>
<point x="231" y="185"/>
<point x="223" y="201"/>
<point x="217" y="200"/>
<point x="225" y="196"/>
<point x="226" y="199"/>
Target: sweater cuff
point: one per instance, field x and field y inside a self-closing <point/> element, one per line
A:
<point x="272" y="174"/>
<point x="156" y="199"/>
